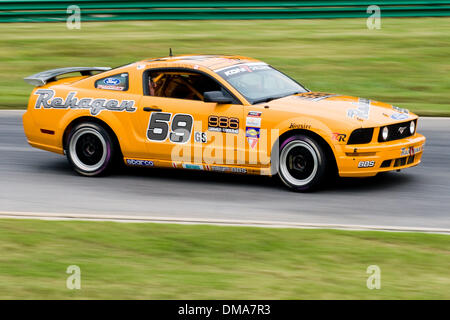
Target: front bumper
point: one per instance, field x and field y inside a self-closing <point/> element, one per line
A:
<point x="368" y="160"/>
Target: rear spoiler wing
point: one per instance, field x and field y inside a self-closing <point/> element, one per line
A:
<point x="41" y="78"/>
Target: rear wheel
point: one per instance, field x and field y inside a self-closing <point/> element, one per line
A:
<point x="302" y="163"/>
<point x="90" y="149"/>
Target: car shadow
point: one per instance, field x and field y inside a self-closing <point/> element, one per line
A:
<point x="382" y="181"/>
<point x="198" y="176"/>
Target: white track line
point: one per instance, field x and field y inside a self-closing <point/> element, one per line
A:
<point x="13" y="110"/>
<point x="172" y="220"/>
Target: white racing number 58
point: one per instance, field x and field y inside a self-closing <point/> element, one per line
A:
<point x="179" y="130"/>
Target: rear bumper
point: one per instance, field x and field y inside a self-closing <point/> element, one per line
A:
<point x="368" y="160"/>
<point x="38" y="139"/>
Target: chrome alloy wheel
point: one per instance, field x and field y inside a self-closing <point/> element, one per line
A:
<point x="88" y="149"/>
<point x="298" y="163"/>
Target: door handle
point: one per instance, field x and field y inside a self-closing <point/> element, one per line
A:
<point x="148" y="109"/>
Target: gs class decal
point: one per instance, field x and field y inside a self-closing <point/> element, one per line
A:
<point x="47" y="100"/>
<point x="200" y="137"/>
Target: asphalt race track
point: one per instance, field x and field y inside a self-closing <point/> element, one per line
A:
<point x="32" y="180"/>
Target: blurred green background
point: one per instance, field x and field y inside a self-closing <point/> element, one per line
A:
<point x="406" y="62"/>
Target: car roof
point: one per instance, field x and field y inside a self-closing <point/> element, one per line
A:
<point x="213" y="62"/>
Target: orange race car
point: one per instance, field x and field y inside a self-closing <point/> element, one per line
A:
<point x="218" y="113"/>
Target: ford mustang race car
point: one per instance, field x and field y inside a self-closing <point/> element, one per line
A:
<point x="217" y="113"/>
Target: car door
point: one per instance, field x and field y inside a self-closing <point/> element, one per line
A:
<point x="189" y="131"/>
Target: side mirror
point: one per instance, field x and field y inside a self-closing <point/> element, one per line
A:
<point x="216" y="96"/>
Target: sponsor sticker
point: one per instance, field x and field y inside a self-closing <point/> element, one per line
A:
<point x="254" y="114"/>
<point x="399" y="116"/>
<point x="192" y="166"/>
<point x="410" y="151"/>
<point x="226" y="130"/>
<point x="252" y="132"/>
<point x="339" y="137"/>
<point x="300" y="126"/>
<point x="108" y="87"/>
<point x="223" y="124"/>
<point x="253" y="122"/>
<point x="46" y="99"/>
<point x="117" y="82"/>
<point x="400" y="110"/>
<point x="141" y="163"/>
<point x="315" y="96"/>
<point x="228" y="169"/>
<point x="252" y="142"/>
<point x="362" y="111"/>
<point x="112" y="81"/>
<point x="366" y="164"/>
<point x="242" y="68"/>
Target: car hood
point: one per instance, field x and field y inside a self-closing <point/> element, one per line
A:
<point x="359" y="111"/>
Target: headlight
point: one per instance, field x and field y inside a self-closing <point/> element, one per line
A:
<point x="385" y="133"/>
<point x="412" y="127"/>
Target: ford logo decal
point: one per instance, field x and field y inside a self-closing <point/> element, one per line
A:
<point x="111" y="81"/>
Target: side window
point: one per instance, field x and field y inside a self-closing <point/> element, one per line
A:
<point x="180" y="85"/>
<point x="118" y="82"/>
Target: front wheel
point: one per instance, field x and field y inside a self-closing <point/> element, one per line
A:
<point x="90" y="149"/>
<point x="302" y="163"/>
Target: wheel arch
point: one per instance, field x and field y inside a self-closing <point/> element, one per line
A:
<point x="98" y="121"/>
<point x="329" y="153"/>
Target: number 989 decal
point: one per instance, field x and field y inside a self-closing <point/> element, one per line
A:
<point x="179" y="130"/>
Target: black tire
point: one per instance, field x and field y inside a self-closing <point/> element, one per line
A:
<point x="90" y="149"/>
<point x="302" y="163"/>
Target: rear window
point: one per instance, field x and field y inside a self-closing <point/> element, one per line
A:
<point x="118" y="82"/>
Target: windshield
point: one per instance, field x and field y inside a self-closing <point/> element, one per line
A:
<point x="258" y="82"/>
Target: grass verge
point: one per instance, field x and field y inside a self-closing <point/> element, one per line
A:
<point x="406" y="63"/>
<point x="161" y="261"/>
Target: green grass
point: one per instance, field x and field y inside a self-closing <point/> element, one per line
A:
<point x="159" y="261"/>
<point x="406" y="63"/>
